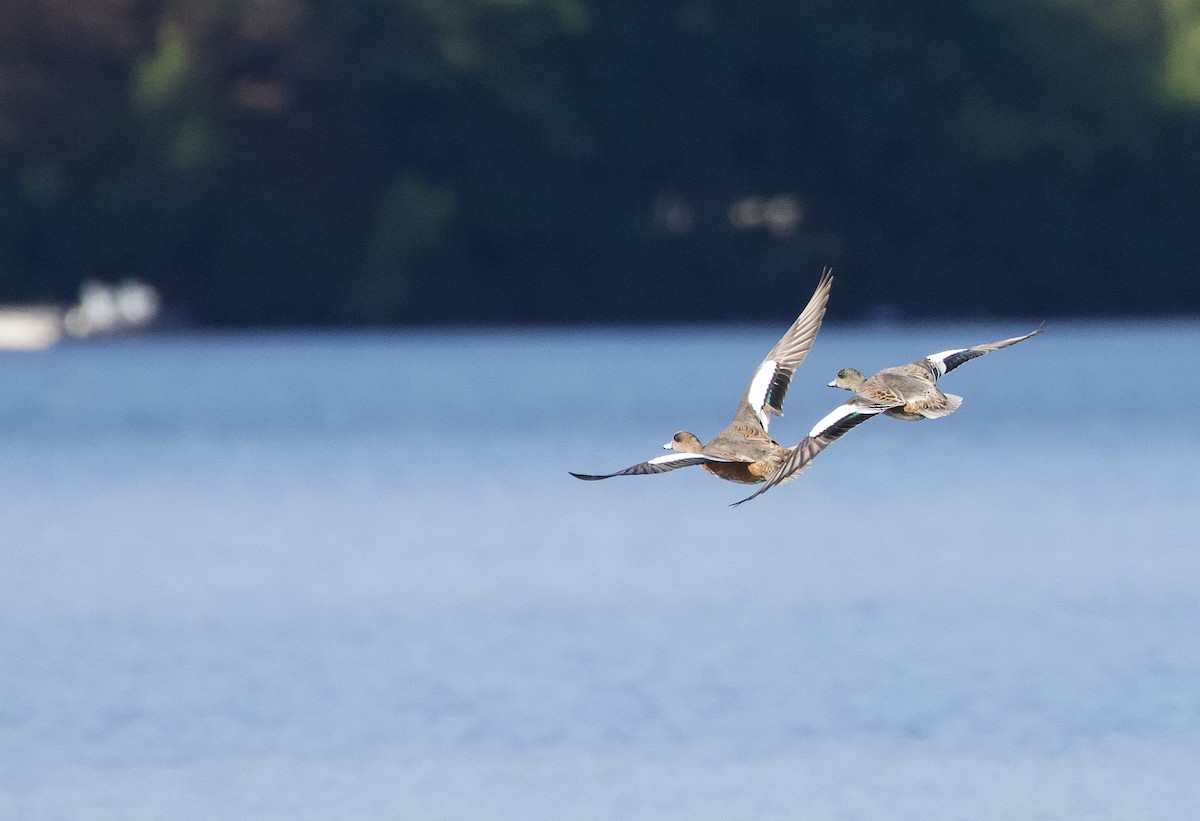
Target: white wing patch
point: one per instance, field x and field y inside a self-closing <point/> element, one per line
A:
<point x="757" y="393"/>
<point x="839" y="413"/>
<point x="939" y="359"/>
<point x="679" y="457"/>
<point x="833" y="417"/>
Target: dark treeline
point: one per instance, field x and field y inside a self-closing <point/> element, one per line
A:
<point x="382" y="161"/>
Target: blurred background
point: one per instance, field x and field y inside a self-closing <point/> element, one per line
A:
<point x="319" y="162"/>
<point x="313" y="551"/>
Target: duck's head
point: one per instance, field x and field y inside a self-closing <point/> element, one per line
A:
<point x="684" y="442"/>
<point x="848" y="379"/>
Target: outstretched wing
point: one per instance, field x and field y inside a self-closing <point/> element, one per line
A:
<point x="828" y="430"/>
<point x="661" y="464"/>
<point x="861" y="408"/>
<point x="947" y="361"/>
<point x="769" y="384"/>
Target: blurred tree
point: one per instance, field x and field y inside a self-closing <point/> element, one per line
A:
<point x="334" y="161"/>
<point x="1181" y="70"/>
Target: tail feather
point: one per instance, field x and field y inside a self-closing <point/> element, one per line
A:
<point x="940" y="409"/>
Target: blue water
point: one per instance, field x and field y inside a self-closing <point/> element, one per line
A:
<point x="347" y="575"/>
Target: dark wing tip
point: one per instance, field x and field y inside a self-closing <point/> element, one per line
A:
<point x="773" y="480"/>
<point x="753" y="495"/>
<point x="586" y="476"/>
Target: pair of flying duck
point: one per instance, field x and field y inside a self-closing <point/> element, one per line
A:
<point x="743" y="452"/>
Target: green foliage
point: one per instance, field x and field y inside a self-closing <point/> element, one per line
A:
<point x="160" y="78"/>
<point x="380" y="161"/>
<point x="1181" y="71"/>
<point x="408" y="233"/>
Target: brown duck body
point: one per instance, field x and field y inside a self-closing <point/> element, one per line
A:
<point x="755" y="455"/>
<point x="907" y="392"/>
<point x="746" y="473"/>
<point x="743" y="452"/>
<point x="910" y="391"/>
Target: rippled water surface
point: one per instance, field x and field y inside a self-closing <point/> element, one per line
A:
<point x="320" y="576"/>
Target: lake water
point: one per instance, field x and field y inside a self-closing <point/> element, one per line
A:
<point x="347" y="575"/>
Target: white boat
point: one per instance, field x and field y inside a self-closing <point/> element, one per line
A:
<point x="29" y="327"/>
<point x="108" y="310"/>
<point x="102" y="310"/>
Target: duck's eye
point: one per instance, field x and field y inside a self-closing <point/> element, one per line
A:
<point x="677" y="438"/>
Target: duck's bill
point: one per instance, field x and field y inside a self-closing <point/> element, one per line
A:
<point x="667" y="446"/>
<point x="831" y="384"/>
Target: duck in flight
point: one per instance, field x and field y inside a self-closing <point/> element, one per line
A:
<point x="907" y="392"/>
<point x="743" y="451"/>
